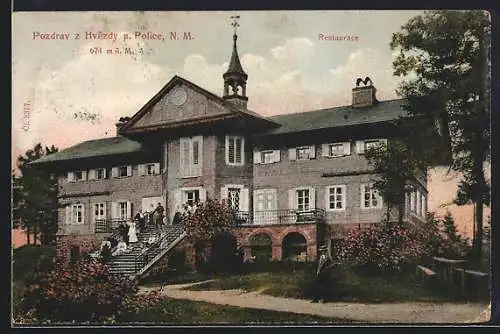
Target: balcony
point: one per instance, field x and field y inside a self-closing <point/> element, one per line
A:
<point x="108" y="225"/>
<point x="278" y="217"/>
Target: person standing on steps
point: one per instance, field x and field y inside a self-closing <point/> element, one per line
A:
<point x="132" y="235"/>
<point x="123" y="230"/>
<point x="140" y="221"/>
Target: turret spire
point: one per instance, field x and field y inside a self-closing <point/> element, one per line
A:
<point x="235" y="77"/>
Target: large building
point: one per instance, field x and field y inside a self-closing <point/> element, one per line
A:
<point x="286" y="175"/>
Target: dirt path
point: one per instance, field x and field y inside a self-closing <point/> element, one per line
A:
<point x="376" y="313"/>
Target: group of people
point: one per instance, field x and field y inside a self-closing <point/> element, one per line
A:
<point x="183" y="212"/>
<point x="154" y="217"/>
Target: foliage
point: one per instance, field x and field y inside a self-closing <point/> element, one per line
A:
<point x="383" y="248"/>
<point x="84" y="292"/>
<point x="210" y="219"/>
<point x="452" y="244"/>
<point x="35" y="196"/>
<point x="31" y="260"/>
<point x="396" y="166"/>
<point x="445" y="58"/>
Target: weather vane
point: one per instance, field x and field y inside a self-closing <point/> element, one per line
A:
<point x="235" y="23"/>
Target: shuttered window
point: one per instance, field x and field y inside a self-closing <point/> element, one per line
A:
<point x="191" y="153"/>
<point x="235" y="147"/>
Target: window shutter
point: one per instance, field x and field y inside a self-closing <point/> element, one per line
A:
<point x="327" y="197"/>
<point x="83" y="214"/>
<point x="71" y="177"/>
<point x="242" y="150"/>
<point x="292" y="199"/>
<point x="277" y="156"/>
<point x="68" y="214"/>
<point x="129" y="210"/>
<point x="105" y="172"/>
<point x="105" y="209"/>
<point x="292" y="154"/>
<point x="199" y="168"/>
<point x="84" y="175"/>
<point x="141" y="168"/>
<point x="255" y="208"/>
<point x="114" y="210"/>
<point x="228" y="143"/>
<point x="157" y="168"/>
<point x="417" y="202"/>
<point x="312" y="198"/>
<point x="347" y="148"/>
<point x="362" y="195"/>
<point x="223" y="193"/>
<point x="114" y="172"/>
<point x="360" y="146"/>
<point x="129" y="170"/>
<point x="256" y="157"/>
<point x="312" y="152"/>
<point x="344" y="197"/>
<point x="92" y="174"/>
<point x="244" y="199"/>
<point x="325" y="152"/>
<point x="203" y="195"/>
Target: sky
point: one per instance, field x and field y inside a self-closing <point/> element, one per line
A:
<point x="68" y="91"/>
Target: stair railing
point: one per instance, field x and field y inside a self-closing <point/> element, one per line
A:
<point x="150" y="252"/>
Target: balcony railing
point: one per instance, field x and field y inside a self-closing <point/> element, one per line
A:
<point x="273" y="217"/>
<point x="108" y="225"/>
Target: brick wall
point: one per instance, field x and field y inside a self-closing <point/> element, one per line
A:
<point x="85" y="242"/>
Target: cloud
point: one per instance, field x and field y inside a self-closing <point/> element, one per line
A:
<point x="294" y="50"/>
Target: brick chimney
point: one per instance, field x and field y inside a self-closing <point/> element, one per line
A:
<point x="364" y="93"/>
<point x="121" y="122"/>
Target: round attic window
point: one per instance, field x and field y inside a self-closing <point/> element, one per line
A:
<point x="178" y="96"/>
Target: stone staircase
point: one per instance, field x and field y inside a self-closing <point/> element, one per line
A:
<point x="140" y="254"/>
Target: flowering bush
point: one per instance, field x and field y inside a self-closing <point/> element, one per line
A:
<point x="83" y="292"/>
<point x="384" y="247"/>
<point x="210" y="219"/>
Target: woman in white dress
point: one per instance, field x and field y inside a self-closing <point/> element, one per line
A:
<point x="132" y="235"/>
<point x="121" y="248"/>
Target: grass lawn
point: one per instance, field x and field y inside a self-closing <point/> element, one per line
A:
<point x="351" y="287"/>
<point x="174" y="312"/>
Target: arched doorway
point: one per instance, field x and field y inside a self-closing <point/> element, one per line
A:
<point x="261" y="247"/>
<point x="294" y="247"/>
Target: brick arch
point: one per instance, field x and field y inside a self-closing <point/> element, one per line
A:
<point x="292" y="229"/>
<point x="272" y="233"/>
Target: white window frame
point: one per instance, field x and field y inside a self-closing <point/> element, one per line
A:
<point x="361" y="145"/>
<point x="328" y="199"/>
<point x="120" y="211"/>
<point x="309" y="206"/>
<point x="83" y="175"/>
<point x="326" y="149"/>
<point x="72" y="211"/>
<point x="264" y="154"/>
<point x="115" y="171"/>
<point x="242" y="153"/>
<point x="97" y="173"/>
<point x="372" y="191"/>
<point x="192" y="169"/>
<point x="98" y="207"/>
<point x="293" y="153"/>
<point x="185" y="190"/>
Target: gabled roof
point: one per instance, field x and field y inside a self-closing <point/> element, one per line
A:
<point x="94" y="148"/>
<point x="232" y="108"/>
<point x="382" y="111"/>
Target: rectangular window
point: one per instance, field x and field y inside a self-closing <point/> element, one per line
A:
<point x="192" y="196"/>
<point x="235" y="150"/>
<point x="77" y="214"/>
<point x="303" y="153"/>
<point x="99" y="211"/>
<point x="336" y="150"/>
<point x="267" y="157"/>
<point x="80" y="175"/>
<point x="370" y="197"/>
<point x="100" y="173"/>
<point x="336" y="197"/>
<point x="123" y="210"/>
<point x="363" y="145"/>
<point x="233" y="198"/>
<point x="303" y="199"/>
<point x="150" y="169"/>
<point x="191" y="153"/>
<point x="122" y="171"/>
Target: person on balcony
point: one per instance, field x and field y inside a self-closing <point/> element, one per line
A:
<point x="132" y="235"/>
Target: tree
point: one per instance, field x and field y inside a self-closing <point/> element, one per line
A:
<point x="397" y="167"/>
<point x="444" y="56"/>
<point x="35" y="197"/>
<point x="210" y="219"/>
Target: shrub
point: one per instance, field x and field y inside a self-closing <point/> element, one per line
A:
<point x="79" y="293"/>
<point x="30" y="260"/>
